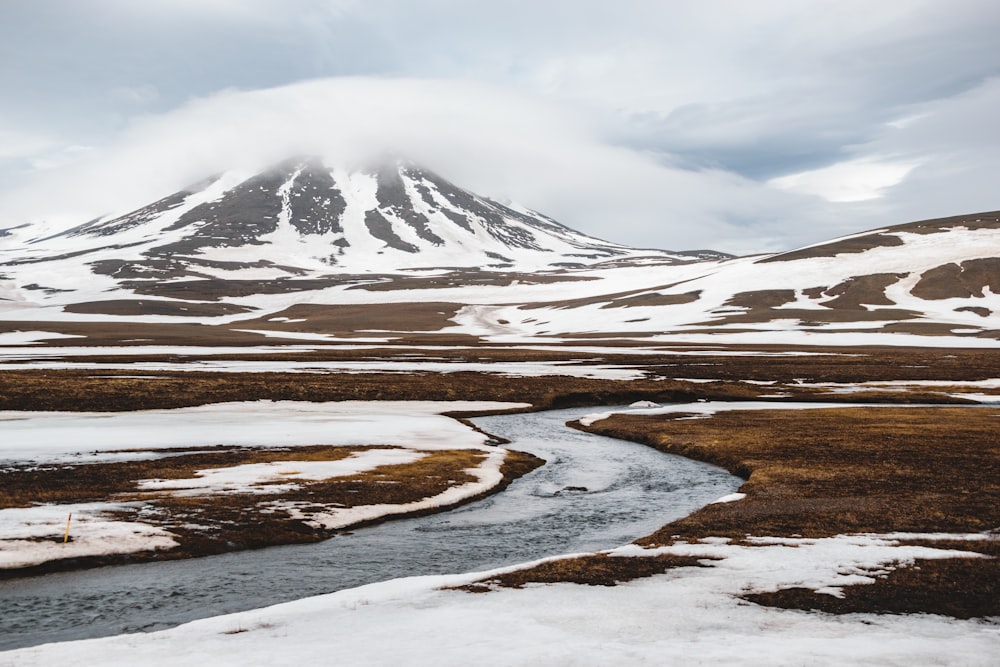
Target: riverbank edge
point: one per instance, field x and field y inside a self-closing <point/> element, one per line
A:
<point x="958" y="587"/>
<point x="515" y="465"/>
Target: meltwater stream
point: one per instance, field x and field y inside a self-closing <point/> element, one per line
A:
<point x="593" y="493"/>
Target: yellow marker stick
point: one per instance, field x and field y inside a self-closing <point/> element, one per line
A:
<point x="66" y="536"/>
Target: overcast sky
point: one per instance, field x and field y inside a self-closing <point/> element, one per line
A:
<point x="738" y="125"/>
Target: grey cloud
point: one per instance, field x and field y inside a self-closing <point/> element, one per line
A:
<point x="511" y="146"/>
<point x="656" y="123"/>
<point x="824" y="99"/>
<point x="958" y="140"/>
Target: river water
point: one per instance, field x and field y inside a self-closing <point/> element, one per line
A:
<point x="593" y="493"/>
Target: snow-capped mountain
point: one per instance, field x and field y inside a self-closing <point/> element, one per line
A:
<point x="304" y="218"/>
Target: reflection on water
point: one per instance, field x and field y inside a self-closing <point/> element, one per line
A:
<point x="593" y="493"/>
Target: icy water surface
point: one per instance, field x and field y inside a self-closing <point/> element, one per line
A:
<point x="593" y="493"/>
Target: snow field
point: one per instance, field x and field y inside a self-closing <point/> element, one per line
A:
<point x="92" y="436"/>
<point x="33" y="535"/>
<point x="508" y="368"/>
<point x="690" y="616"/>
<point x="258" y="477"/>
<point x="487" y="473"/>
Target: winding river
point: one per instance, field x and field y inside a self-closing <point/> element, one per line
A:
<point x="593" y="493"/>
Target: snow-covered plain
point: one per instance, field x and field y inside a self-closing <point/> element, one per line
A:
<point x="967" y="386"/>
<point x="712" y="285"/>
<point x="33" y="535"/>
<point x="87" y="437"/>
<point x="708" y="408"/>
<point x="689" y="616"/>
<point x="30" y="337"/>
<point x="663" y="301"/>
<point x="508" y="369"/>
<point x="259" y="478"/>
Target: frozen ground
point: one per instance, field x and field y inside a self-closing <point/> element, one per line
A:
<point x="79" y="437"/>
<point x="662" y="302"/>
<point x="509" y="368"/>
<point x="687" y="616"/>
<point x="708" y="408"/>
<point x="29" y="535"/>
<point x="261" y="478"/>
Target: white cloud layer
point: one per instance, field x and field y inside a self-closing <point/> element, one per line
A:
<point x="719" y="124"/>
<point x="489" y="139"/>
<point x="854" y="180"/>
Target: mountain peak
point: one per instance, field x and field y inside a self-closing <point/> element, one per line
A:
<point x="304" y="217"/>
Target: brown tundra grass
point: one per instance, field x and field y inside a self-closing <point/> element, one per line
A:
<point x="824" y="472"/>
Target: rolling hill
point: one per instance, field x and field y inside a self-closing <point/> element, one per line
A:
<point x="305" y="250"/>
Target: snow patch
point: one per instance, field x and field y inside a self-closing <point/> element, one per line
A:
<point x="34" y="535"/>
<point x="732" y="497"/>
<point x="31" y="337"/>
<point x="258" y="478"/>
<point x="95" y="436"/>
<point x="487" y="477"/>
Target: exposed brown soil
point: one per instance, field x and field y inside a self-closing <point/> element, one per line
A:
<point x="809" y="317"/>
<point x="984" y="220"/>
<point x="855" y="293"/>
<point x="155" y="307"/>
<point x="990" y="219"/>
<point x="824" y="472"/>
<point x="936" y="329"/>
<point x="964" y="280"/>
<point x="593" y="570"/>
<point x="25" y="485"/>
<point x="653" y="299"/>
<point x="978" y="310"/>
<point x="467" y="277"/>
<point x="138" y="333"/>
<point x="109" y="391"/>
<point x="213" y="289"/>
<point x="215" y="523"/>
<point x="118" y="390"/>
<point x="958" y="587"/>
<point x="615" y="297"/>
<point x="359" y="320"/>
<point x="847" y="246"/>
<point x="849" y="302"/>
<point x="760" y="299"/>
<point x="840" y="365"/>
